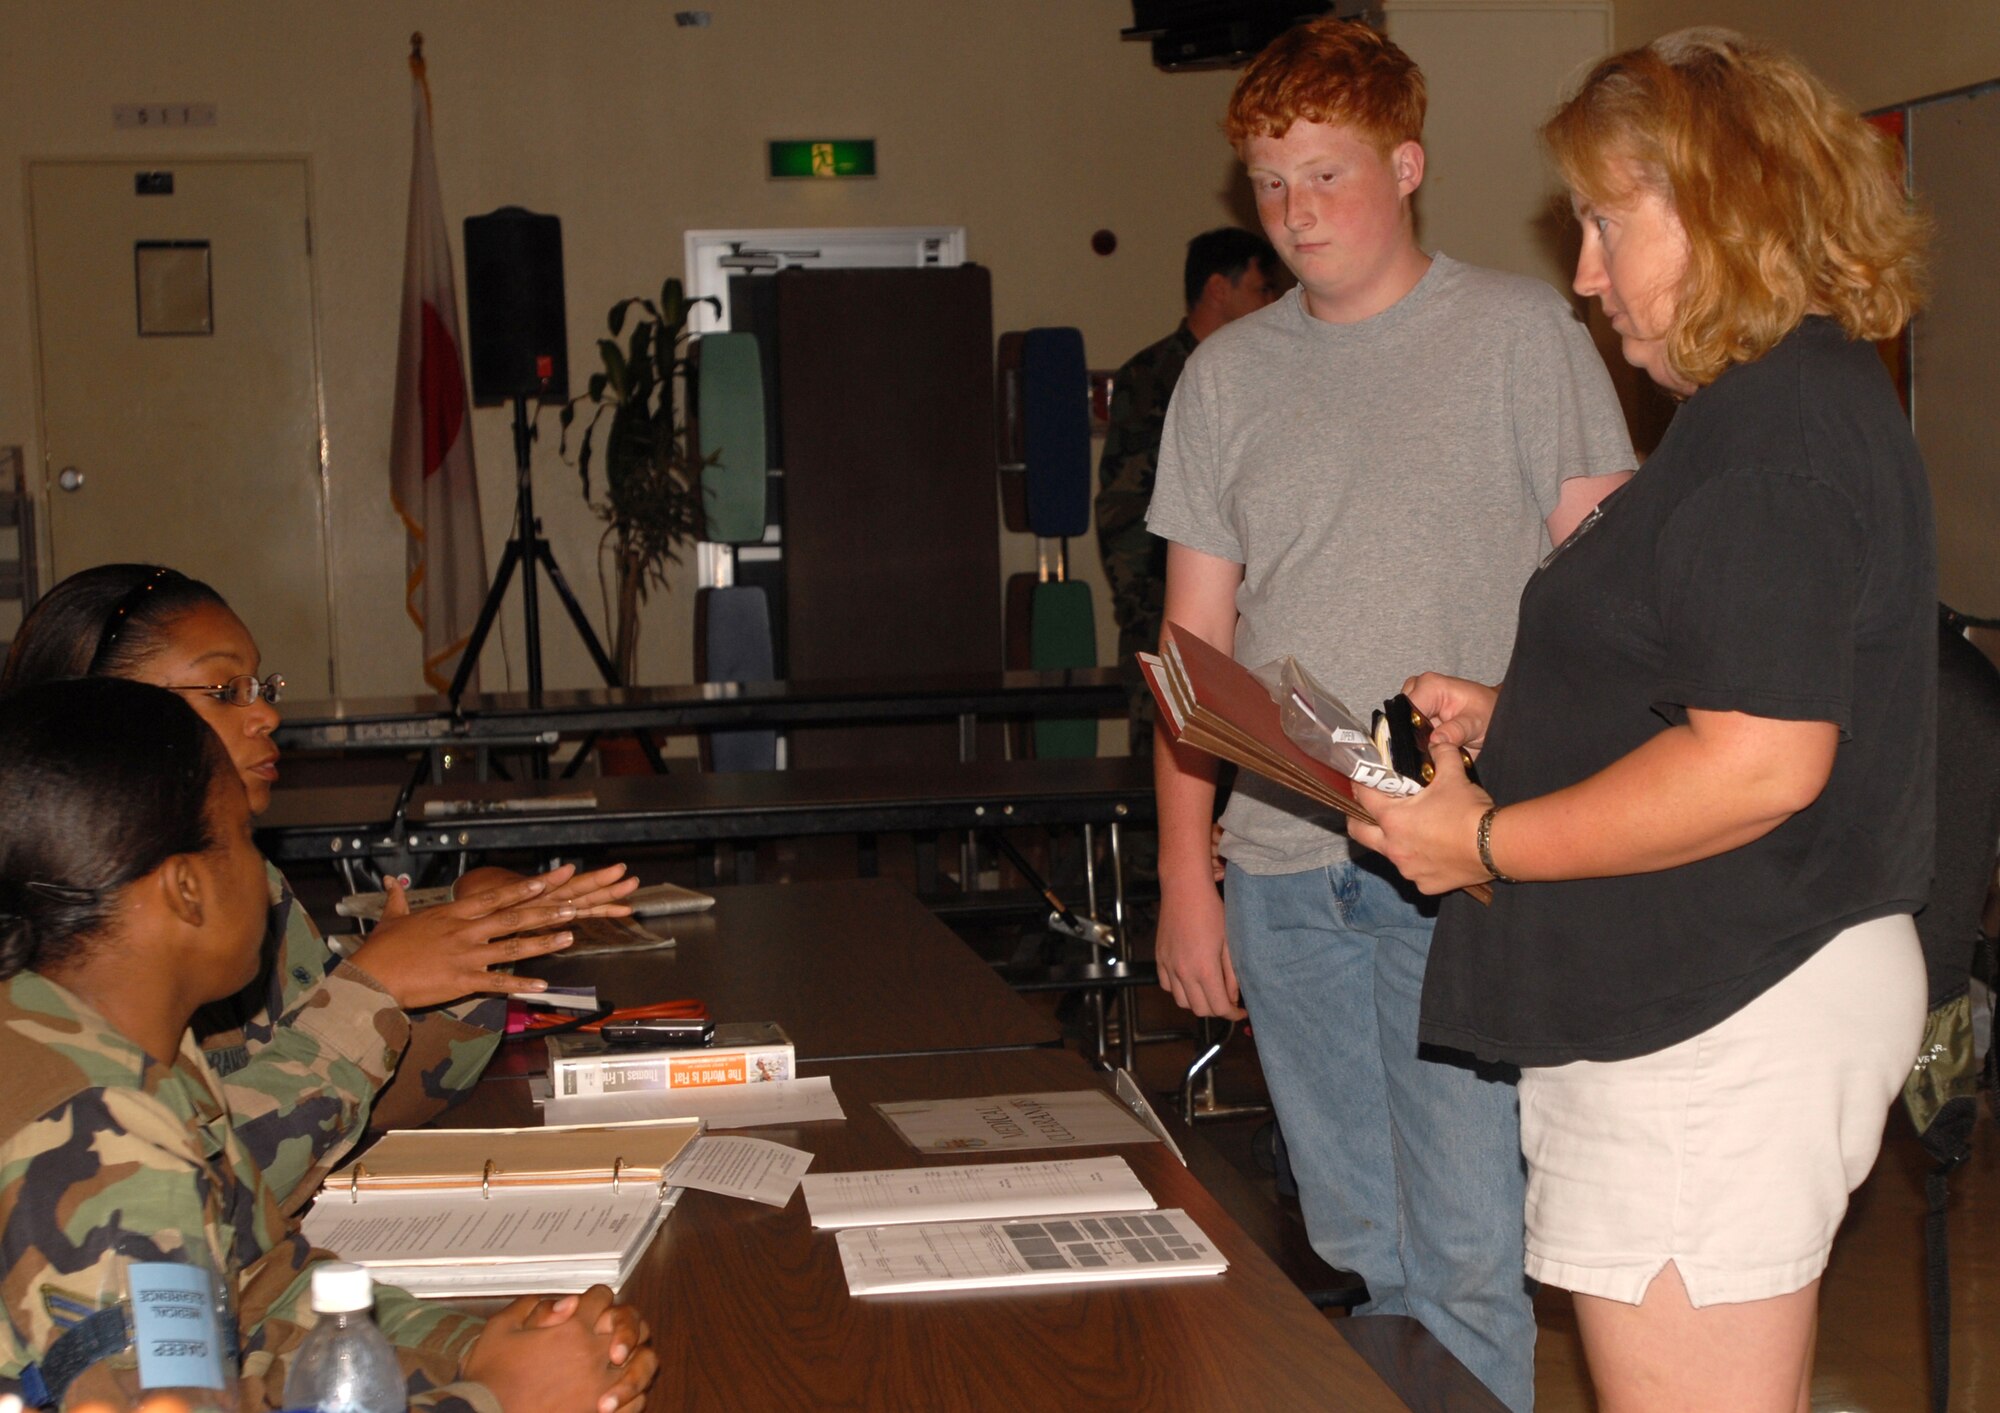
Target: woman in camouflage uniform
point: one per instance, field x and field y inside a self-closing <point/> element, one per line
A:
<point x="315" y="1047"/>
<point x="131" y="894"/>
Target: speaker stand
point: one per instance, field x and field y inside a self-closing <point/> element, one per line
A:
<point x="526" y="549"/>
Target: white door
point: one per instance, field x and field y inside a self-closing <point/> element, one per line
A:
<point x="180" y="388"/>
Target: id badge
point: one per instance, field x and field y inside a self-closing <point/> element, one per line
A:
<point x="175" y="1326"/>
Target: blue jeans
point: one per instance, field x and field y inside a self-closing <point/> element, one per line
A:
<point x="1409" y="1168"/>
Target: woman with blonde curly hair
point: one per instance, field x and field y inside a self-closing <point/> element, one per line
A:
<point x="1706" y="805"/>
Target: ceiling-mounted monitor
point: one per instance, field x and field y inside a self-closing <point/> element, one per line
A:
<point x="1219" y="34"/>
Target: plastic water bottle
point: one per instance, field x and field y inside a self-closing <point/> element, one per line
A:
<point x="346" y="1364"/>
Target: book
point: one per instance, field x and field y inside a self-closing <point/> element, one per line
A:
<point x="583" y="1065"/>
<point x="664" y="899"/>
<point x="774" y="1102"/>
<point x="1213" y="703"/>
<point x="504" y="1211"/>
<point x="975" y="1191"/>
<point x="1105" y="1246"/>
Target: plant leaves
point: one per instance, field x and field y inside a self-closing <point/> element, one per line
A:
<point x="651" y="482"/>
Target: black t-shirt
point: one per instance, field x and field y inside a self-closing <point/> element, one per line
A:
<point x="1774" y="557"/>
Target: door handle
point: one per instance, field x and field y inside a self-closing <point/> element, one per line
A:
<point x="70" y="479"/>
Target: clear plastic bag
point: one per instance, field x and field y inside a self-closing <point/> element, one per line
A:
<point x="1320" y="724"/>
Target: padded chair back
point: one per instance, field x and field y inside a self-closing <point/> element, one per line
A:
<point x="1064" y="634"/>
<point x="733" y="644"/>
<point x="1055" y="431"/>
<point x="729" y="426"/>
<point x="1007" y="432"/>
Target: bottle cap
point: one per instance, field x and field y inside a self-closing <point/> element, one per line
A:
<point x="341" y="1286"/>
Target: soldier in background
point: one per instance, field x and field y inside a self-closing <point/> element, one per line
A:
<point x="1229" y="273"/>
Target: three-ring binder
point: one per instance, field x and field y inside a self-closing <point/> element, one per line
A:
<point x="496" y="1163"/>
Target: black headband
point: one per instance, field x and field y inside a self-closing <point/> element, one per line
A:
<point x="115" y="624"/>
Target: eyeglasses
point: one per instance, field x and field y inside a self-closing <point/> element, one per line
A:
<point x="243" y="691"/>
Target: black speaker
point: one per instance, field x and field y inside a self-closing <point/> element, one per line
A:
<point x="514" y="301"/>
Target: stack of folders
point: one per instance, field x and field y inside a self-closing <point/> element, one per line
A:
<point x="993" y="1225"/>
<point x="502" y="1211"/>
<point x="1211" y="702"/>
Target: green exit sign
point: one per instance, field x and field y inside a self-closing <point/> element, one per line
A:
<point x="847" y="157"/>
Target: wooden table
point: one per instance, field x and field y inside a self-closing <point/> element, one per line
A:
<point x="333" y="823"/>
<point x="422" y="722"/>
<point x="750" y="1310"/>
<point x="852" y="968"/>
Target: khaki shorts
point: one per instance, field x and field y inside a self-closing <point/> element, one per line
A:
<point x="1731" y="1154"/>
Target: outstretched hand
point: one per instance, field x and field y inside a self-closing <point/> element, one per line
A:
<point x="1432" y="836"/>
<point x="441" y="954"/>
<point x="599" y="893"/>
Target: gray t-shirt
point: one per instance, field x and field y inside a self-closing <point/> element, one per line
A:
<point x="1384" y="486"/>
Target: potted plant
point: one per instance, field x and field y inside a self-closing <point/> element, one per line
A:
<point x="652" y="475"/>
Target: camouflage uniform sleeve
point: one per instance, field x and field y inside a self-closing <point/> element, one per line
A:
<point x="1135" y="560"/>
<point x="431" y="1339"/>
<point x="1125" y="481"/>
<point x="300" y="1070"/>
<point x="115" y="1176"/>
<point x="305" y="1088"/>
<point x="447" y="1051"/>
<point x="105" y="1178"/>
<point x="303" y="1099"/>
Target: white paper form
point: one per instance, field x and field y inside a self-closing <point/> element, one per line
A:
<point x="784" y="1101"/>
<point x="755" y="1168"/>
<point x="975" y="1190"/>
<point x="540" y="1225"/>
<point x="1079" y="1118"/>
<point x="1060" y="1251"/>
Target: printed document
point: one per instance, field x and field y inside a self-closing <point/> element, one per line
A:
<point x="734" y="1166"/>
<point x="975" y="1190"/>
<point x="972" y="1255"/>
<point x="1080" y="1118"/>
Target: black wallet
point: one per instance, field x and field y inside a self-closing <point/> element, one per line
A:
<point x="1403" y="739"/>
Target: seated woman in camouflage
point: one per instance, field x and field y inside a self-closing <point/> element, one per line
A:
<point x="130" y="895"/>
<point x="304" y="1048"/>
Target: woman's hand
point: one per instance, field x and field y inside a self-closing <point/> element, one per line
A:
<point x="594" y="894"/>
<point x="1432" y="837"/>
<point x="1459" y="709"/>
<point x="444" y="953"/>
<point x="580" y="1354"/>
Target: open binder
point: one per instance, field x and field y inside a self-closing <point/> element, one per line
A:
<point x="1211" y="702"/>
<point x="483" y="1161"/>
<point x="503" y="1211"/>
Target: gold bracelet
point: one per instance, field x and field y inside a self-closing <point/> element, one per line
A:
<point x="1485" y="838"/>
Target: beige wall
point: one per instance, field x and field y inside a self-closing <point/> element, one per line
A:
<point x="1029" y="122"/>
<point x="1874" y="55"/>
